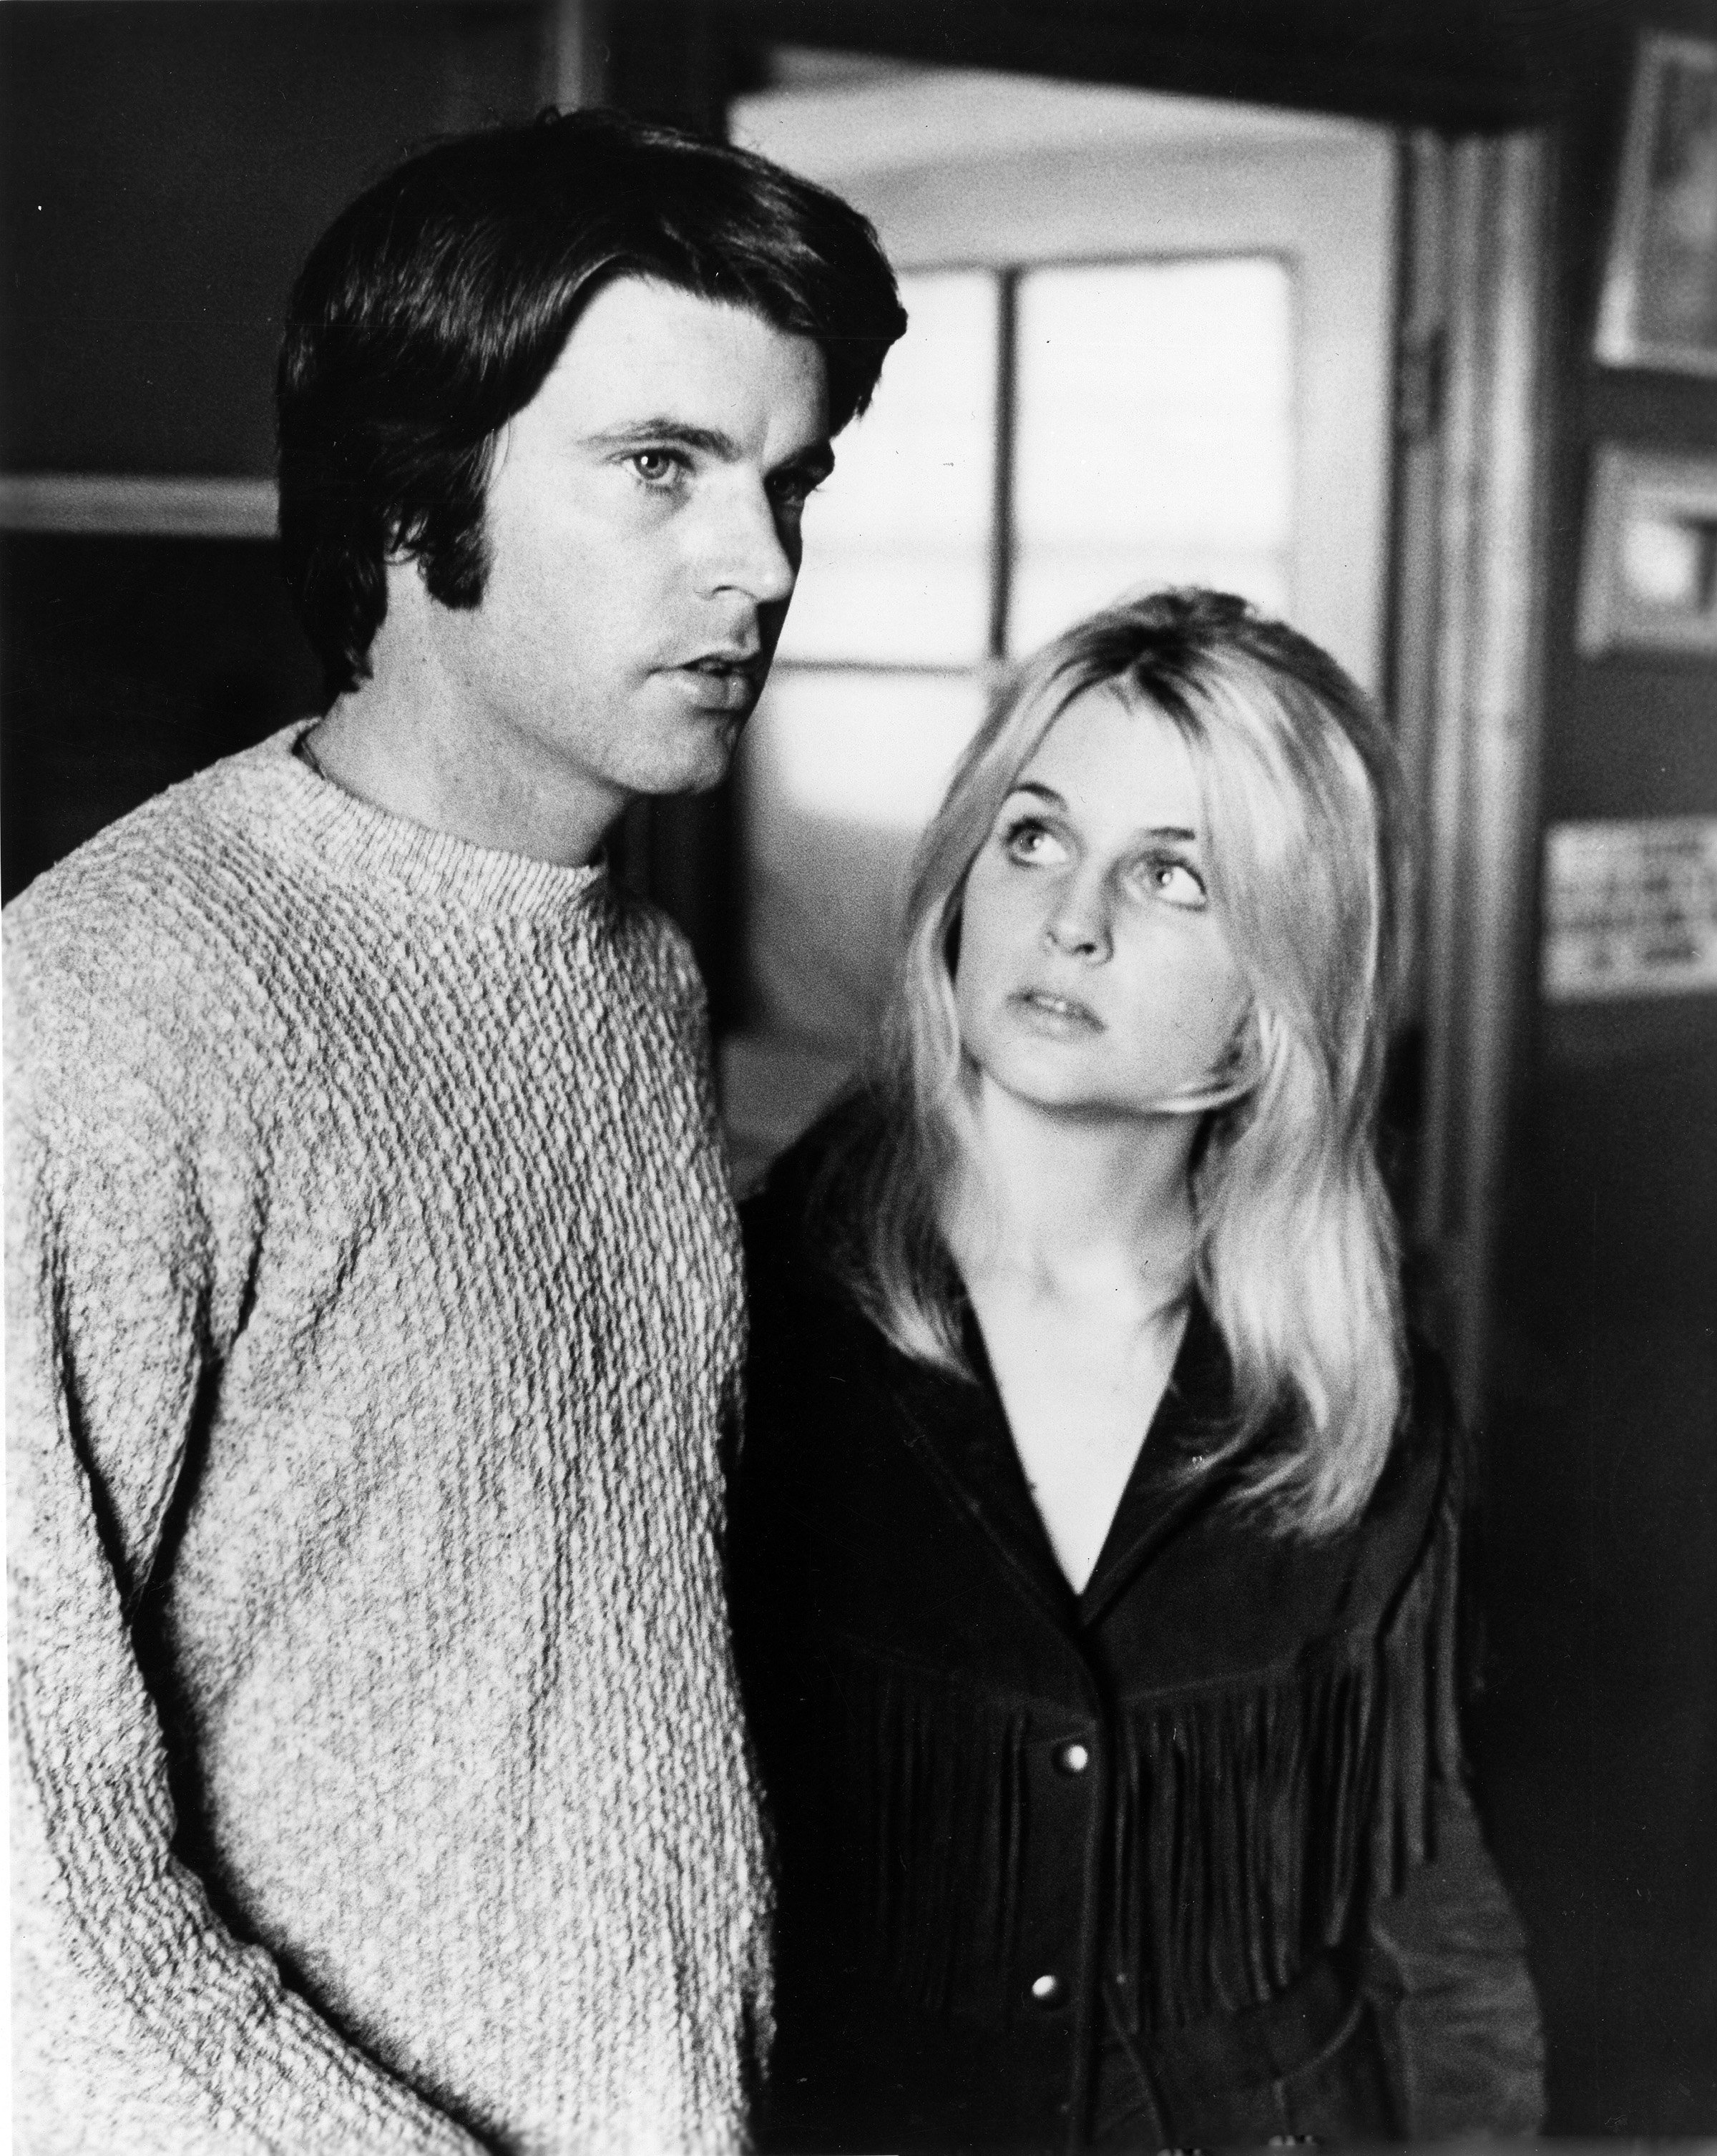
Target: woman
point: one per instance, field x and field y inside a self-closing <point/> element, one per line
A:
<point x="1094" y="1533"/>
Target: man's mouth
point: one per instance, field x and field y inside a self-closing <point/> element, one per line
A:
<point x="749" y="664"/>
<point x="728" y="681"/>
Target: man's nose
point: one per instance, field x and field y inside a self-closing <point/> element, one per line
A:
<point x="1077" y="924"/>
<point x="754" y="546"/>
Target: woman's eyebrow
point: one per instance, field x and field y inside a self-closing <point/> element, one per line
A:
<point x="1183" y="833"/>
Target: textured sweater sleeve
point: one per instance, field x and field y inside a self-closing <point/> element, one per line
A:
<point x="140" y="2022"/>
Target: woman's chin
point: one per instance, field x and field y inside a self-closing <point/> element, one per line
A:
<point x="1070" y="1096"/>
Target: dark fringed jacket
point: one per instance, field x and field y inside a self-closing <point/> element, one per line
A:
<point x="1200" y="1830"/>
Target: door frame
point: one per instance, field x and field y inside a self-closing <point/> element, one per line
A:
<point x="1466" y="688"/>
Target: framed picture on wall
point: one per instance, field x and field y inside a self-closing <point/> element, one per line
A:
<point x="1648" y="580"/>
<point x="1659" y="306"/>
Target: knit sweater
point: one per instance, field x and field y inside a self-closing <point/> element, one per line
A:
<point x="373" y="1326"/>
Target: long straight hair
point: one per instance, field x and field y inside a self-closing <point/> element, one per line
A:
<point x="1296" y="1253"/>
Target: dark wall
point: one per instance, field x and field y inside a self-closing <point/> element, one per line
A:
<point x="1598" y="1736"/>
<point x="125" y="664"/>
<point x="1472" y="63"/>
<point x="163" y="169"/>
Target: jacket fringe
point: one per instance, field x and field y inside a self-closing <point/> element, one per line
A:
<point x="1251" y="1819"/>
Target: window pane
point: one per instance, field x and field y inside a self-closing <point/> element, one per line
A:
<point x="838" y="773"/>
<point x="897" y="543"/>
<point x="1155" y="435"/>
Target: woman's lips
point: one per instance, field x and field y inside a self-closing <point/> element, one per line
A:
<point x="1061" y="1016"/>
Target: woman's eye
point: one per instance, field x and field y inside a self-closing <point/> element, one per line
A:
<point x="1032" y="842"/>
<point x="1175" y="882"/>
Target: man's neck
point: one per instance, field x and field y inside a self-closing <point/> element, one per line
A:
<point x="415" y="772"/>
<point x="404" y="741"/>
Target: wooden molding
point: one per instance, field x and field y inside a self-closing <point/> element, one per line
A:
<point x="101" y="506"/>
<point x="1478" y="638"/>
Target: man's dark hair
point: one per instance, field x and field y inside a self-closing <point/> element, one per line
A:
<point x="433" y="308"/>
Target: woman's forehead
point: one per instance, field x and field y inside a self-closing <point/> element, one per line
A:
<point x="1118" y="760"/>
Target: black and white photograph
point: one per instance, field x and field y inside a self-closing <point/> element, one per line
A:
<point x="858" y="918"/>
<point x="1660" y="294"/>
<point x="1648" y="577"/>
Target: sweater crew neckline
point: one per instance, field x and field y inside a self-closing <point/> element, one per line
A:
<point x="355" y="840"/>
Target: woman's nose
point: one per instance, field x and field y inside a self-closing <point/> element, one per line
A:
<point x="1077" y="924"/>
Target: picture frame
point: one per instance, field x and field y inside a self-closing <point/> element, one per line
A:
<point x="1648" y="581"/>
<point x="1630" y="909"/>
<point x="1659" y="304"/>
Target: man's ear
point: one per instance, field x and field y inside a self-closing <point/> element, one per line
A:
<point x="395" y="552"/>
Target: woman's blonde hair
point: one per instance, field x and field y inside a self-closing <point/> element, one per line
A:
<point x="1296" y="1252"/>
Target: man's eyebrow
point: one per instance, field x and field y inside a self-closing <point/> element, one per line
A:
<point x="642" y="433"/>
<point x="815" y="461"/>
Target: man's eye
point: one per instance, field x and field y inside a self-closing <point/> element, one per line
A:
<point x="657" y="467"/>
<point x="794" y="489"/>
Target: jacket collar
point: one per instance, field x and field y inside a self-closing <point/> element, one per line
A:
<point x="959" y="1430"/>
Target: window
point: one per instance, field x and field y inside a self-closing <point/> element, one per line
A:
<point x="1044" y="438"/>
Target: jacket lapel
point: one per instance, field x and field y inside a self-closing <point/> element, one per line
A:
<point x="957" y="1431"/>
<point x="1165" y="1490"/>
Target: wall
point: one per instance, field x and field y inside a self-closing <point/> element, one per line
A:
<point x="1598" y="1738"/>
<point x="165" y="167"/>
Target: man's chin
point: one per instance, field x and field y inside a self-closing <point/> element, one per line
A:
<point x="702" y="762"/>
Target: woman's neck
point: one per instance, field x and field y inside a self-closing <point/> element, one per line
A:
<point x="1062" y="1206"/>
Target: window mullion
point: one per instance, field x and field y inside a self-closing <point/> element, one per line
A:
<point x="1001" y="516"/>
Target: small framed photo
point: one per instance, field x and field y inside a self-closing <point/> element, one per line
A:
<point x="1659" y="306"/>
<point x="1648" y="581"/>
<point x="1630" y="909"/>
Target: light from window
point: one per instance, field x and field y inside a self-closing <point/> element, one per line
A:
<point x="1155" y="435"/>
<point x="838" y="773"/>
<point x="1153" y="444"/>
<point x="897" y="543"/>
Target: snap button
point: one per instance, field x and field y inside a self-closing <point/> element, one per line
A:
<point x="1047" y="1990"/>
<point x="1071" y="1758"/>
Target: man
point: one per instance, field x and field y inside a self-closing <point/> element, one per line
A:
<point x="374" y="1315"/>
